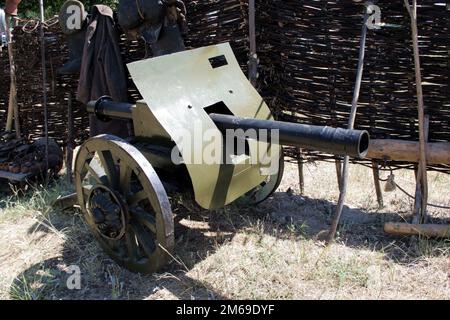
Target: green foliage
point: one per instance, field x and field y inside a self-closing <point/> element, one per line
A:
<point x="30" y="9"/>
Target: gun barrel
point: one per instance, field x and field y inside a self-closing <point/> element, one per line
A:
<point x="104" y="108"/>
<point x="354" y="143"/>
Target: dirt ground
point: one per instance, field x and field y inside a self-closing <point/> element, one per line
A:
<point x="271" y="251"/>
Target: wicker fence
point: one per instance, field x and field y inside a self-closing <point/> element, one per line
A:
<point x="308" y="54"/>
<point x="4" y="86"/>
<point x="59" y="89"/>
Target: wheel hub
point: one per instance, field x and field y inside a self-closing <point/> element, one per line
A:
<point x="108" y="212"/>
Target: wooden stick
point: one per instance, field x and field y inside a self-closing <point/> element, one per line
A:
<point x="418" y="198"/>
<point x="301" y="176"/>
<point x="253" y="60"/>
<point x="13" y="108"/>
<point x="376" y="178"/>
<point x="419" y="214"/>
<point x="10" y="116"/>
<point x="338" y="164"/>
<point x="401" y="150"/>
<point x="44" y="82"/>
<point x="428" y="230"/>
<point x="422" y="182"/>
<point x="351" y="124"/>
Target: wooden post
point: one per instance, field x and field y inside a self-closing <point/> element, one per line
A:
<point x="10" y="115"/>
<point x="420" y="216"/>
<point x="13" y="108"/>
<point x="351" y="124"/>
<point x="376" y="178"/>
<point x="422" y="181"/>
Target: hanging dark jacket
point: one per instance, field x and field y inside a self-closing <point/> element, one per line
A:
<point x="102" y="69"/>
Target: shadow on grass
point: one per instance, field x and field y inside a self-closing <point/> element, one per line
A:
<point x="101" y="278"/>
<point x="359" y="228"/>
<point x="294" y="217"/>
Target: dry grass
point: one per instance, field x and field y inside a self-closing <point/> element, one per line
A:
<point x="268" y="252"/>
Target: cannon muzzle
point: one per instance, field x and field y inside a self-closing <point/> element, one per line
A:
<point x="354" y="143"/>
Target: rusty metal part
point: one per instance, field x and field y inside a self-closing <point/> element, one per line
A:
<point x="112" y="176"/>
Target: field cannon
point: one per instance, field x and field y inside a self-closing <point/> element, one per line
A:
<point x="122" y="184"/>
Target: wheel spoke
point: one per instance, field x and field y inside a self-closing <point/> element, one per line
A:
<point x="125" y="178"/>
<point x="87" y="190"/>
<point x="109" y="165"/>
<point x="132" y="246"/>
<point x="144" y="218"/>
<point x="96" y="173"/>
<point x="136" y="198"/>
<point x="143" y="238"/>
<point x="85" y="164"/>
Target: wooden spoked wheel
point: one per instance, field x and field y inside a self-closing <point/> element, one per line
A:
<point x="124" y="203"/>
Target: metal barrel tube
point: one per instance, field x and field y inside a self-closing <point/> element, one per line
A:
<point x="105" y="108"/>
<point x="354" y="143"/>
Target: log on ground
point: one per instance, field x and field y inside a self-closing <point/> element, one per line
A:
<point x="428" y="230"/>
<point x="400" y="150"/>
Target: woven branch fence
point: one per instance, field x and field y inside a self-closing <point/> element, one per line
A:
<point x="308" y="53"/>
<point x="4" y="86"/>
